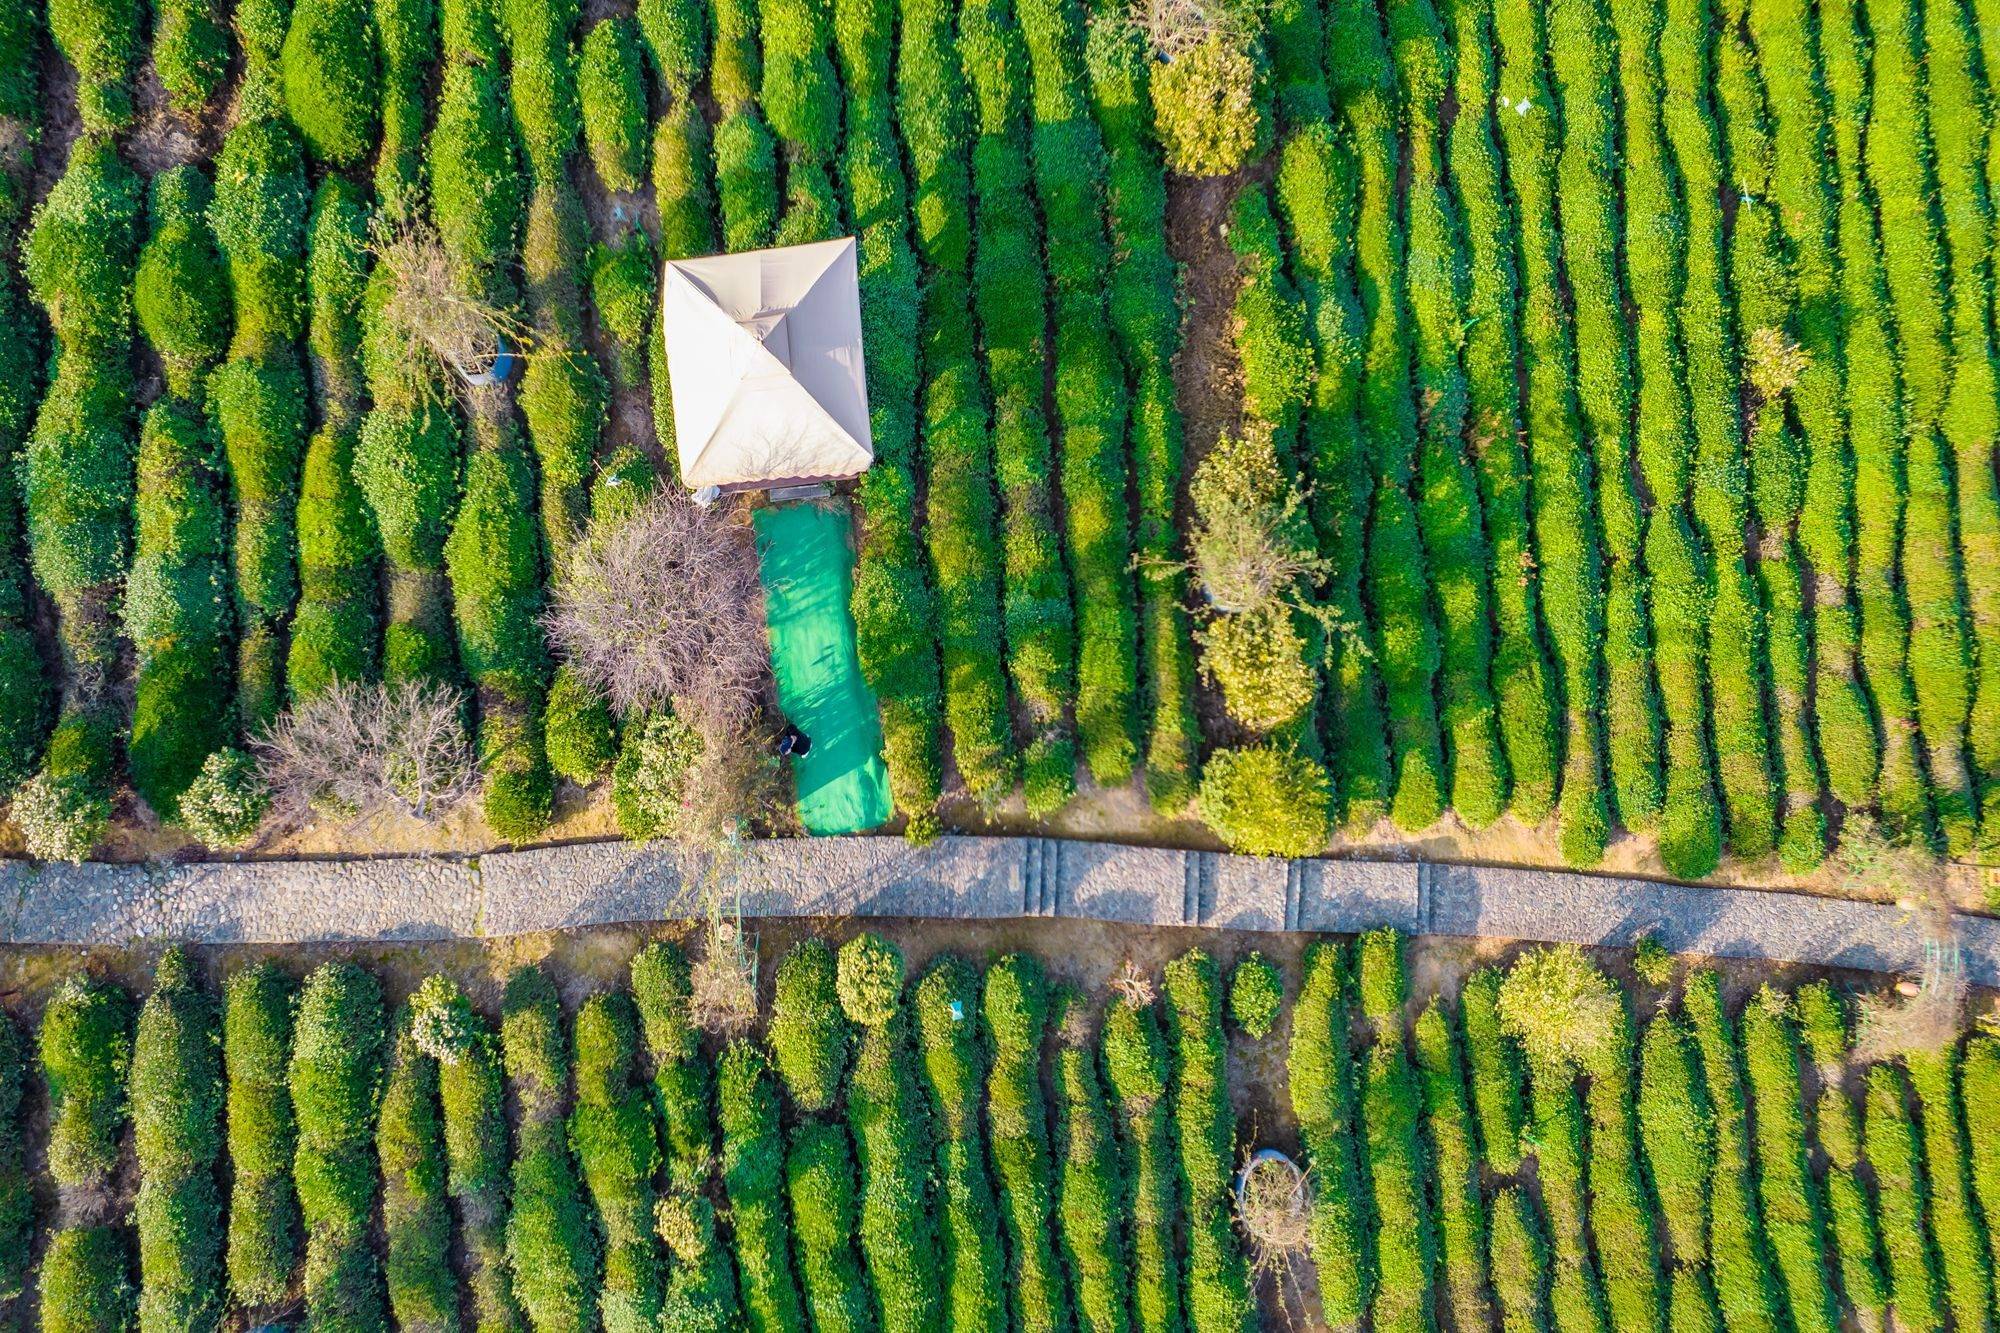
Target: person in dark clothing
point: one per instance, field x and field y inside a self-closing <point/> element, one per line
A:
<point x="793" y="743"/>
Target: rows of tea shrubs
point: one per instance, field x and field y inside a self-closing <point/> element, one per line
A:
<point x="1542" y="306"/>
<point x="987" y="1147"/>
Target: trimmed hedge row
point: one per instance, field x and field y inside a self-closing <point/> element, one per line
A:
<point x="472" y="1096"/>
<point x="1010" y="293"/>
<point x="336" y="1084"/>
<point x="617" y="1144"/>
<point x="552" y="1248"/>
<point x="1875" y="427"/>
<point x="408" y="33"/>
<point x="892" y="1141"/>
<point x="263" y="1245"/>
<point x="1522" y="680"/>
<point x="1090" y="1206"/>
<point x="753" y="1164"/>
<point x="1405" y="1240"/>
<point x="662" y="988"/>
<point x="1135" y="1071"/>
<point x="819" y="1180"/>
<point x="17" y="1199"/>
<point x="808" y="1032"/>
<point x="1145" y="314"/>
<point x="1405" y="630"/>
<point x="1902" y="1201"/>
<point x="1455" y="1163"/>
<point x="1216" y="1277"/>
<point x="1567" y="550"/>
<point x="1677" y="1131"/>
<point x="1789" y="1196"/>
<point x="1448" y="499"/>
<point x="945" y="1004"/>
<point x="177" y="1121"/>
<point x="1837" y="1129"/>
<point x="1015" y="1007"/>
<point x="416" y="1214"/>
<point x="1580" y="56"/>
<point x="1957" y="1232"/>
<point x="1744" y="1284"/>
<point x="1323" y="1098"/>
<point x="1090" y="395"/>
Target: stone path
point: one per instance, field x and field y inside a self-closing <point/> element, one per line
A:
<point x="553" y="888"/>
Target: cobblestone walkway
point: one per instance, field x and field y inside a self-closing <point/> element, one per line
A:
<point x="554" y="888"/>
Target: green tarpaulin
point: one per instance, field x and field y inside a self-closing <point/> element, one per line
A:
<point x="842" y="784"/>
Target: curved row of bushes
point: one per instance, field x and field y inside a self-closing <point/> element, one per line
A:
<point x="954" y="1078"/>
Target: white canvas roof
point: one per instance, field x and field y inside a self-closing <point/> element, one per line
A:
<point x="764" y="355"/>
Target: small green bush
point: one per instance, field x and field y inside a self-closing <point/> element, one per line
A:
<point x="819" y="1179"/>
<point x="1267" y="800"/>
<point x="85" y="1284"/>
<point x="1652" y="962"/>
<point x="190" y="51"/>
<point x="611" y="84"/>
<point x="808" y="1032"/>
<point x="869" y="980"/>
<point x="180" y="293"/>
<point x="1256" y="995"/>
<point x="1205" y="108"/>
<point x="336" y="1084"/>
<point x="656" y="755"/>
<point x="753" y="1165"/>
<point x="61" y="817"/>
<point x="100" y="39"/>
<point x="263" y="1210"/>
<point x="622" y="277"/>
<point x="333" y="79"/>
<point x="86" y="1049"/>
<point x="581" y="739"/>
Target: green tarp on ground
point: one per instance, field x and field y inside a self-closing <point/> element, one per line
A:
<point x="807" y="565"/>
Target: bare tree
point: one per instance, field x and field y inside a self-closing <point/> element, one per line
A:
<point x="430" y="310"/>
<point x="359" y="750"/>
<point x="664" y="607"/>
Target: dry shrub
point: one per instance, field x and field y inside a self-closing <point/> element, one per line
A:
<point x="1275" y="1206"/>
<point x="359" y="750"/>
<point x="664" y="608"/>
<point x="1171" y="27"/>
<point x="429" y="309"/>
<point x="1132" y="985"/>
<point x="1776" y="362"/>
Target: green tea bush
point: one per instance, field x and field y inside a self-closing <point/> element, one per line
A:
<point x="416" y="1213"/>
<point x="582" y="740"/>
<point x="1566" y="551"/>
<point x="662" y="986"/>
<point x="1218" y="1291"/>
<point x="26" y="693"/>
<point x="333" y="79"/>
<point x="611" y="86"/>
<point x="336" y="1083"/>
<point x="1090" y="1205"/>
<point x="819" y="1181"/>
<point x="1678" y="1134"/>
<point x="190" y="52"/>
<point x="892" y="1139"/>
<point x="1575" y="1290"/>
<point x="1005" y="599"/>
<point x="1145" y="315"/>
<point x="1405" y="631"/>
<point x="100" y="39"/>
<point x="1321" y="1072"/>
<point x="1448" y="500"/>
<point x="800" y="92"/>
<point x="472" y="1098"/>
<point x="1520" y="1257"/>
<point x="953" y="1064"/>
<point x="676" y="34"/>
<point x="1205" y="107"/>
<point x="1090" y="396"/>
<point x="622" y="276"/>
<point x="1765" y="294"/>
<point x="1135" y="1072"/>
<point x="1956" y="1228"/>
<point x="1980" y="1084"/>
<point x="617" y="1145"/>
<point x="1267" y="800"/>
<point x="1523" y="681"/>
<point x="1793" y="1223"/>
<point x="263" y="1244"/>
<point x="1315" y="193"/>
<point x="85" y="1286"/>
<point x="1494" y="1065"/>
<point x="177" y="611"/>
<point x="701" y="1285"/>
<point x="753" y="1164"/>
<point x="1580" y="59"/>
<point x="177" y="1130"/>
<point x="551" y="1247"/>
<point x="1014" y="1004"/>
<point x="1902" y="1201"/>
<point x="1455" y="1163"/>
<point x="17" y="1199"/>
<point x="477" y="192"/>
<point x="335" y="636"/>
<point x="1744" y="1283"/>
<point x="1875" y="432"/>
<point x="179" y="291"/>
<point x="85" y="1047"/>
<point x="408" y="32"/>
<point x="1837" y="1129"/>
<point x="1256" y="994"/>
<point x="1406" y="1243"/>
<point x="808" y="1032"/>
<point x="746" y="180"/>
<point x="657" y="754"/>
